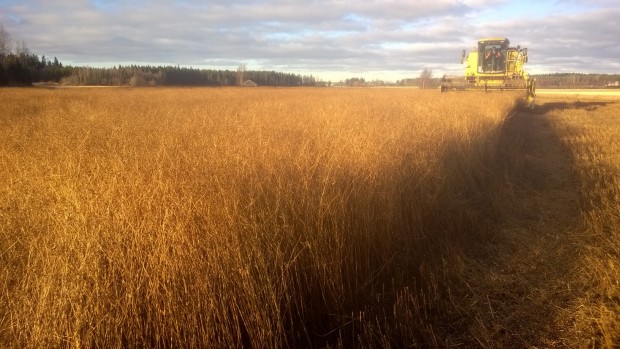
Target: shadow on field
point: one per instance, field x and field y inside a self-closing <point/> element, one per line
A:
<point x="547" y="107"/>
<point x="515" y="285"/>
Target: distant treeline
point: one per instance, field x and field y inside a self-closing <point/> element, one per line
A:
<point x="20" y="67"/>
<point x="23" y="68"/>
<point x="569" y="80"/>
<point x="174" y="76"/>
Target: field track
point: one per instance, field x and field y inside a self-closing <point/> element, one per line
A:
<point x="539" y="281"/>
<point x="521" y="279"/>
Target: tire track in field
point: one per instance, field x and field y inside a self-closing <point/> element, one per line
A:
<point x="519" y="285"/>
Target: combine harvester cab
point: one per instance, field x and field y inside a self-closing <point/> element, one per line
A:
<point x="494" y="65"/>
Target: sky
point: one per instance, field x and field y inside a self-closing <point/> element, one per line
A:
<point x="330" y="39"/>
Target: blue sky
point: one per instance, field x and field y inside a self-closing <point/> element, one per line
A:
<point x="331" y="39"/>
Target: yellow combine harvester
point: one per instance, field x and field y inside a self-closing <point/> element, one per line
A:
<point x="494" y="65"/>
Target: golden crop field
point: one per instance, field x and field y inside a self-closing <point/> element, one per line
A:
<point x="306" y="217"/>
<point x="590" y="131"/>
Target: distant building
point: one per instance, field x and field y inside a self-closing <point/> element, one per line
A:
<point x="249" y="83"/>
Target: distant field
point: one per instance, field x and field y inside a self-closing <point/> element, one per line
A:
<point x="580" y="92"/>
<point x="301" y="217"/>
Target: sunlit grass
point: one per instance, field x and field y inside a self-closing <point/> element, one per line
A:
<point x="590" y="130"/>
<point x="234" y="217"/>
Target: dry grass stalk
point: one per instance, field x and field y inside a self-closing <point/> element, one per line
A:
<point x="279" y="217"/>
<point x="589" y="129"/>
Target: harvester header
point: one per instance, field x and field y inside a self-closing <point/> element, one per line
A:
<point x="494" y="65"/>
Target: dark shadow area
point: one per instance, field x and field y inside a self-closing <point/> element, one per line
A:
<point x="514" y="285"/>
<point x="547" y="107"/>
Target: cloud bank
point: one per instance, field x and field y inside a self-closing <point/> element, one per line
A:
<point x="387" y="39"/>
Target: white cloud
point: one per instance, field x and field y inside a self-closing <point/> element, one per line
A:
<point x="317" y="36"/>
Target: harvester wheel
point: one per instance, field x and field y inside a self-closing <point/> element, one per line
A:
<point x="530" y="93"/>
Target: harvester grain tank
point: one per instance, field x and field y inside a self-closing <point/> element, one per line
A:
<point x="494" y="65"/>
